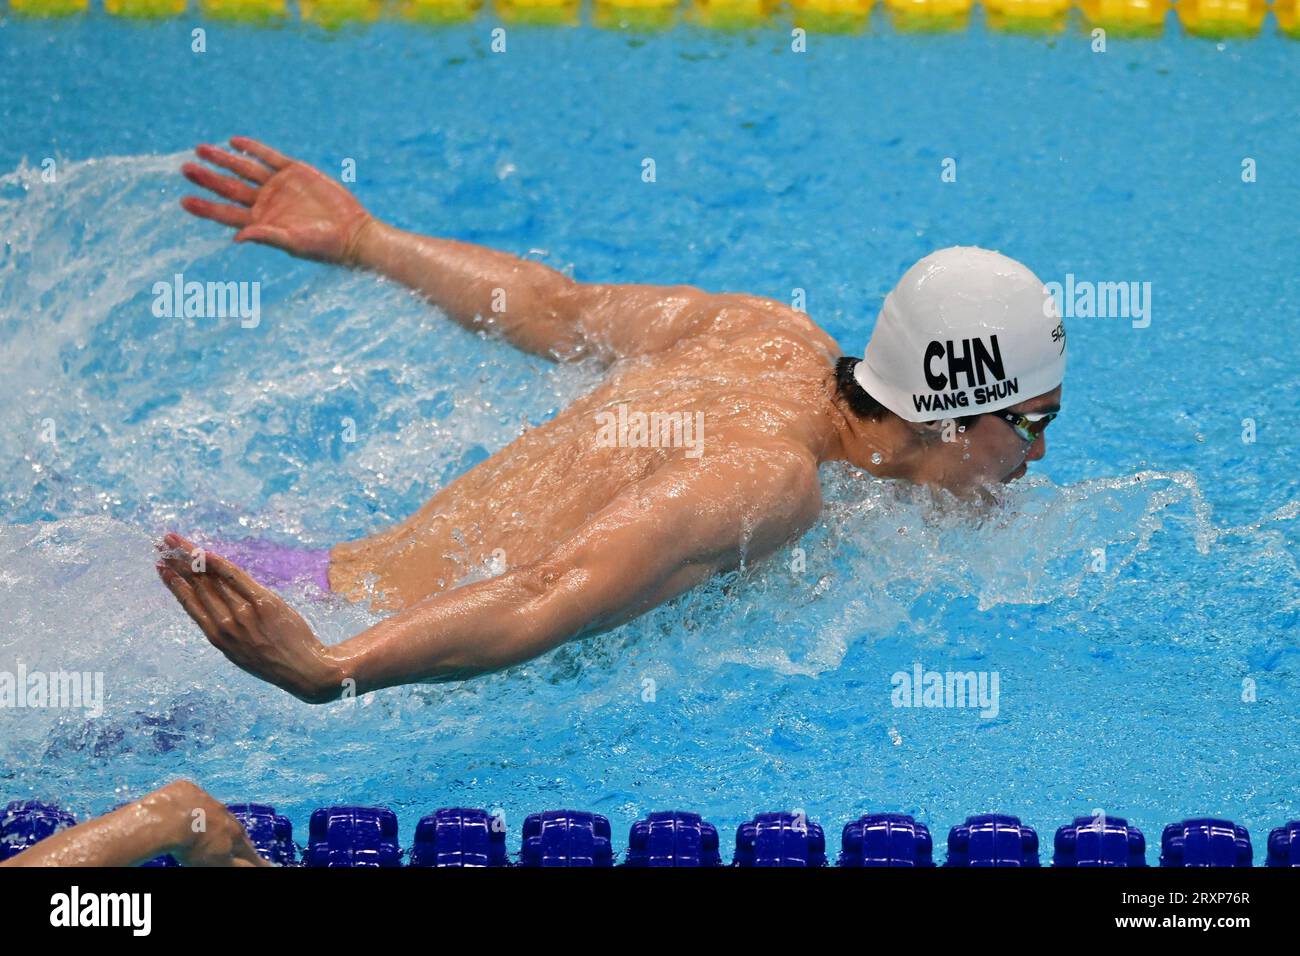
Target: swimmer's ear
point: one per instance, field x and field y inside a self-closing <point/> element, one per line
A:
<point x="927" y="431"/>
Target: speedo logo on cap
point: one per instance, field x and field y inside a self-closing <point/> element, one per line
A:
<point x="965" y="373"/>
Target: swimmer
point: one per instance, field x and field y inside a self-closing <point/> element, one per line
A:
<point x="158" y="824"/>
<point x="599" y="515"/>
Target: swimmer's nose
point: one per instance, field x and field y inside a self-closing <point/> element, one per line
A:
<point x="1038" y="449"/>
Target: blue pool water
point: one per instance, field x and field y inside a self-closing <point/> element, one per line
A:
<point x="1121" y="687"/>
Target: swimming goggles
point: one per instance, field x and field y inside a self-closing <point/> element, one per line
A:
<point x="1029" y="427"/>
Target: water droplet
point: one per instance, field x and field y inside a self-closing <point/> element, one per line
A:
<point x="876" y="458"/>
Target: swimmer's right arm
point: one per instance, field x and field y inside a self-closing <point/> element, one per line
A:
<point x="163" y="822"/>
<point x="664" y="535"/>
<point x="532" y="306"/>
<point x="285" y="203"/>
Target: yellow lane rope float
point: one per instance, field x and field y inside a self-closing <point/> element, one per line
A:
<point x="336" y="13"/>
<point x="1204" y="18"/>
<point x="49" y="8"/>
<point x="1027" y="16"/>
<point x="1127" y="17"/>
<point x="1221" y="18"/>
<point x="437" y="11"/>
<point x="832" y="16"/>
<point x="731" y="14"/>
<point x="654" y="15"/>
<point x="929" y="16"/>
<point x="144" y="9"/>
<point x="245" y="11"/>
<point x="562" y="13"/>
<point x="1288" y="17"/>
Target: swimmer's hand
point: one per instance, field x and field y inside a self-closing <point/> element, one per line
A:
<point x="278" y="201"/>
<point x="220" y="840"/>
<point x="180" y="819"/>
<point x="251" y="625"/>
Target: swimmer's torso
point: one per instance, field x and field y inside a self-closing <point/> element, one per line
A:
<point x="758" y="374"/>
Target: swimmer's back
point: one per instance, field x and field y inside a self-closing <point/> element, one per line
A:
<point x="751" y="374"/>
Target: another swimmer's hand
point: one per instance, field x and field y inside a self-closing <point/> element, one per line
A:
<point x="205" y="832"/>
<point x="278" y="201"/>
<point x="250" y="624"/>
<point x="179" y="819"/>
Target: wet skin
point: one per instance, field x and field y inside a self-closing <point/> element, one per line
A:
<point x="589" y="535"/>
<point x="160" y="823"/>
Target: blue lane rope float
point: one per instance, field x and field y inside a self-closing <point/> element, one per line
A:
<point x="673" y="839"/>
<point x="355" y="837"/>
<point x="780" y="839"/>
<point x="25" y="823"/>
<point x="1099" y="841"/>
<point x="347" y="837"/>
<point x="1205" y="842"/>
<point x="992" y="839"/>
<point x="1284" y="846"/>
<point x="459" y="836"/>
<point x="270" y="833"/>
<point x="886" y="839"/>
<point x="566" y="838"/>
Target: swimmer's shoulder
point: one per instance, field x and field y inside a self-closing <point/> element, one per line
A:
<point x="754" y="313"/>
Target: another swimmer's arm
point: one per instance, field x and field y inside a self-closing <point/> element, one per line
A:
<point x="657" y="540"/>
<point x="162" y="822"/>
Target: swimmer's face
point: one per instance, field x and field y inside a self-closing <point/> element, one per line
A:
<point x="991" y="451"/>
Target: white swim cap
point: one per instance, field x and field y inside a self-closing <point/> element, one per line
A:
<point x="965" y="331"/>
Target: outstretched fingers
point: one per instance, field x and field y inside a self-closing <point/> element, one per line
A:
<point x="252" y="626"/>
<point x="214" y="602"/>
<point x="207" y="608"/>
<point x="219" y="612"/>
<point x="227" y="187"/>
<point x="272" y="158"/>
<point x="188" y="599"/>
<point x="224" y="213"/>
<point x="250" y="169"/>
